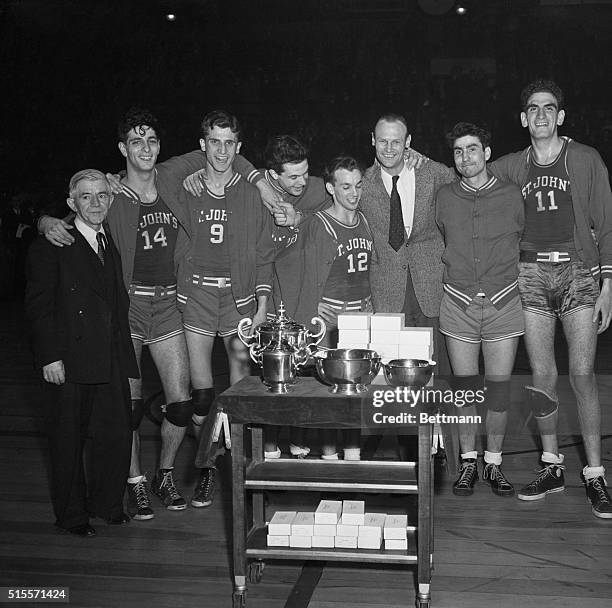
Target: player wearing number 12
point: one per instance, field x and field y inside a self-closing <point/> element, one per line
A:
<point x="327" y="270"/>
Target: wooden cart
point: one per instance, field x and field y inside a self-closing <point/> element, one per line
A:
<point x="310" y="404"/>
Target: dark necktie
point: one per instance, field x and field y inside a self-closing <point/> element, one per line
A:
<point x="101" y="246"/>
<point x="396" y="219"/>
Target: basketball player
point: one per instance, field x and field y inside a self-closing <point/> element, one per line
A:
<point x="328" y="269"/>
<point x="481" y="220"/>
<point x="226" y="272"/>
<point x="565" y="273"/>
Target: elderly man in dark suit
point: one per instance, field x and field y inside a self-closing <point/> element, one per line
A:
<point x="77" y="307"/>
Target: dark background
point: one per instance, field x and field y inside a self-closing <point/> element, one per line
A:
<point x="319" y="69"/>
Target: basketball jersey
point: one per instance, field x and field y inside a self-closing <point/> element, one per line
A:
<point x="549" y="215"/>
<point x="155" y="244"/>
<point x="212" y="251"/>
<point x="349" y="276"/>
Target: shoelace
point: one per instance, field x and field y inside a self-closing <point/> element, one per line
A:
<point x="467" y="470"/>
<point x="168" y="483"/>
<point x="142" y="498"/>
<point x="542" y="473"/>
<point x="207" y="482"/>
<point x="497" y="475"/>
<point x="602" y="495"/>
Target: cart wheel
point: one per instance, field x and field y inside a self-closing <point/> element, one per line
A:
<point x="256" y="571"/>
<point x="239" y="599"/>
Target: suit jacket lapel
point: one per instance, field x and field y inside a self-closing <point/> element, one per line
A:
<point x="420" y="200"/>
<point x="85" y="256"/>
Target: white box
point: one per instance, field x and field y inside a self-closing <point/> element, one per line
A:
<point x="395" y="527"/>
<point x="280" y="524"/>
<point x="373" y="524"/>
<point x="416" y="335"/>
<point x="414" y="352"/>
<point x="369" y="542"/>
<point x="346" y="542"/>
<point x="399" y="544"/>
<point x="349" y="345"/>
<point x="328" y="512"/>
<point x="347" y="530"/>
<point x="328" y="542"/>
<point x="303" y="524"/>
<point x="354" y="336"/>
<point x="387" y="321"/>
<point x="386" y="351"/>
<point x="381" y="336"/>
<point x="278" y="540"/>
<point x="324" y="529"/>
<point x="304" y="542"/>
<point x="354" y="320"/>
<point x="353" y="512"/>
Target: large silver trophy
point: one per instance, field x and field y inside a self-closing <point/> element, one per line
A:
<point x="280" y="348"/>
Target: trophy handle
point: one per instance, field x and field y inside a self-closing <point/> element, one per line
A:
<point x="301" y="356"/>
<point x="255" y="350"/>
<point x="317" y="337"/>
<point x="244" y="337"/>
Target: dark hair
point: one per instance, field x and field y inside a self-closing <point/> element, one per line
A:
<point x="340" y="162"/>
<point x="541" y="85"/>
<point x="461" y="129"/>
<point x="221" y="119"/>
<point x="282" y="149"/>
<point x="392" y="117"/>
<point x="137" y="117"/>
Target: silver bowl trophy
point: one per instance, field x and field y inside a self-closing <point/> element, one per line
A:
<point x="348" y="370"/>
<point x="280" y="347"/>
<point x="413" y="373"/>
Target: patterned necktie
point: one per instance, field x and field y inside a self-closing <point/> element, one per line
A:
<point x="396" y="219"/>
<point x="101" y="246"/>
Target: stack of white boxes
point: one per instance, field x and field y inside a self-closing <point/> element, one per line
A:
<point x="385" y="333"/>
<point x="395" y="532"/>
<point x="340" y="524"/>
<point x="327" y="516"/>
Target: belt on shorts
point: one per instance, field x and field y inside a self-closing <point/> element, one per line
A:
<point x="152" y="290"/>
<point x="219" y="282"/>
<point x="351" y="305"/>
<point x="553" y="257"/>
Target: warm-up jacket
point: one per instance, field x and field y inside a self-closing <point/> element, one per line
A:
<point x="249" y="229"/>
<point x="302" y="269"/>
<point x="124" y="214"/>
<point x="482" y="229"/>
<point x="591" y="201"/>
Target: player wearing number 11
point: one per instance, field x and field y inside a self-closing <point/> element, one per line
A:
<point x="565" y="272"/>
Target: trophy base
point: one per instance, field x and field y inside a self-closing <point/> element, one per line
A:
<point x="278" y="388"/>
<point x="348" y="389"/>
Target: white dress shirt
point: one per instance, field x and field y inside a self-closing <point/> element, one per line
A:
<point x="406" y="191"/>
<point x="89" y="233"/>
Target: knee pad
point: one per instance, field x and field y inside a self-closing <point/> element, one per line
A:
<point x="541" y="403"/>
<point x="137" y="413"/>
<point x="461" y="384"/>
<point x="497" y="398"/>
<point x="179" y="413"/>
<point x="202" y="400"/>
